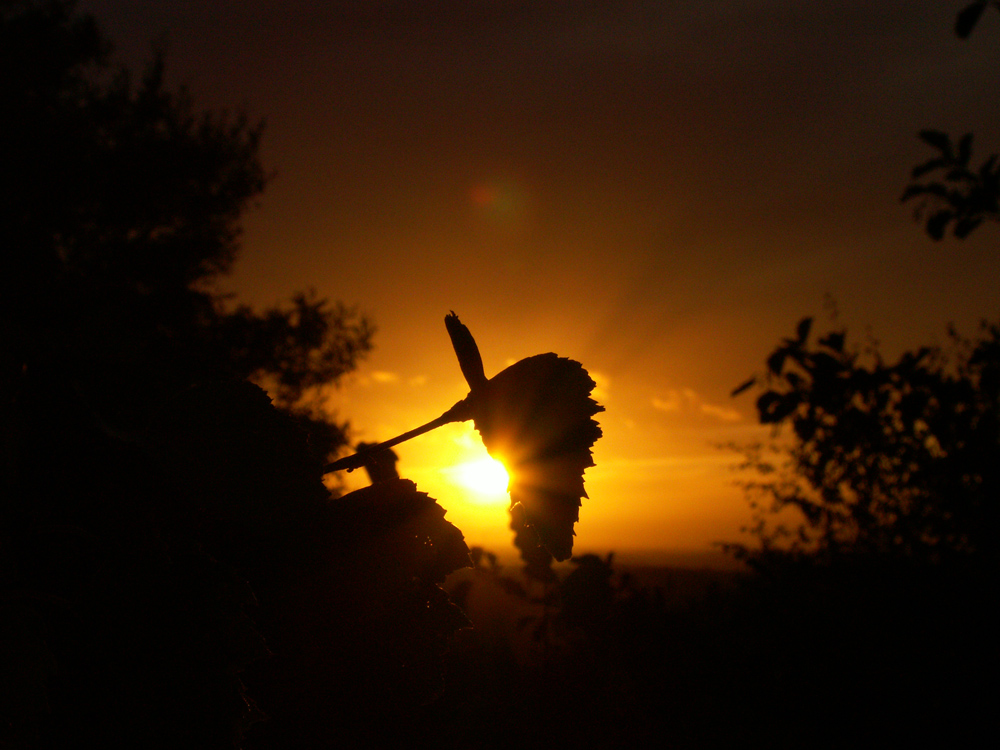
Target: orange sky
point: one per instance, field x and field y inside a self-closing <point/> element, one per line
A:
<point x="658" y="190"/>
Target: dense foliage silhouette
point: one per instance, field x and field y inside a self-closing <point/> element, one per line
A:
<point x="173" y="571"/>
<point x="121" y="207"/>
<point x="895" y="461"/>
<point x="888" y="461"/>
<point x="874" y="549"/>
<point x="963" y="196"/>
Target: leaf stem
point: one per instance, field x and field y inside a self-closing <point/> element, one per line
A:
<point x="460" y="412"/>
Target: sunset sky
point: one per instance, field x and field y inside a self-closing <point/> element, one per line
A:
<point x="658" y="189"/>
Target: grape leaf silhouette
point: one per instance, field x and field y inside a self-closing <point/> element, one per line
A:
<point x="411" y="527"/>
<point x="536" y="418"/>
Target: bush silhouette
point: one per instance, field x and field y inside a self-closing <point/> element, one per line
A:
<point x="895" y="461"/>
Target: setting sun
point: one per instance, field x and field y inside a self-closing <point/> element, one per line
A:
<point x="484" y="476"/>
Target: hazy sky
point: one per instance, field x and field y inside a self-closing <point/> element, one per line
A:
<point x="658" y="189"/>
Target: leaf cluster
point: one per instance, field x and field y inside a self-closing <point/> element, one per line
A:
<point x="963" y="196"/>
<point x="120" y="208"/>
<point x="895" y="460"/>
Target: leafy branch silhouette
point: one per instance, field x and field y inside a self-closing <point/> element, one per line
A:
<point x="536" y="417"/>
<point x="962" y="196"/>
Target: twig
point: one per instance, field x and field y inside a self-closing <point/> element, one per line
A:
<point x="460" y="412"/>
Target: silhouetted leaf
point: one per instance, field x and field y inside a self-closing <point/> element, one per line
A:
<point x="936" y="189"/>
<point x="536" y="418"/>
<point x="824" y="365"/>
<point x="793" y="379"/>
<point x="938" y="140"/>
<point x="965" y="149"/>
<point x="469" y="358"/>
<point x="802" y="331"/>
<point x="967" y="18"/>
<point x="766" y="404"/>
<point x="965" y="226"/>
<point x="937" y="223"/>
<point x="411" y="527"/>
<point x="743" y="386"/>
<point x="929" y="166"/>
<point x="777" y="360"/>
<point x="833" y="340"/>
<point x="772" y="407"/>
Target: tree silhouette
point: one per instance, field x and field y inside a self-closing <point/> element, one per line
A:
<point x="875" y="516"/>
<point x="891" y="461"/>
<point x="172" y="568"/>
<point x="121" y="207"/>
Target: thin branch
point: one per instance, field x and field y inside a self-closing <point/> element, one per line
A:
<point x="460" y="412"/>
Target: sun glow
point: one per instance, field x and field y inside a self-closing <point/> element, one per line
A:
<point x="485" y="477"/>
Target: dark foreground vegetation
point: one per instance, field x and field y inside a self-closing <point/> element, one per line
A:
<point x="174" y="572"/>
<point x="816" y="658"/>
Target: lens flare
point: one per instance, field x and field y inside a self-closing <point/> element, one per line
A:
<point x="498" y="199"/>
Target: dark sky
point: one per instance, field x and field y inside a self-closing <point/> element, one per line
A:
<point x="657" y="189"/>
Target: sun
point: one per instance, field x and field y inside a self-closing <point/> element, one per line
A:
<point x="484" y="476"/>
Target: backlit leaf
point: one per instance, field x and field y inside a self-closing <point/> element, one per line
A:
<point x="536" y="418"/>
<point x="469" y="358"/>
